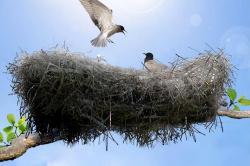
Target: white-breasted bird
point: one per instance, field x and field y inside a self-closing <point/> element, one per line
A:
<point x="101" y="15"/>
<point x="152" y="65"/>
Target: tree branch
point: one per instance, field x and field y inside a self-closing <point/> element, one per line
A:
<point x="21" y="144"/>
<point x="234" y="114"/>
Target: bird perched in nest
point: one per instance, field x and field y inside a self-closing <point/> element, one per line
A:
<point x="152" y="65"/>
<point x="101" y="15"/>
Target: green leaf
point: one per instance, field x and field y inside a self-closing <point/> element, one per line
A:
<point x="21" y="121"/>
<point x="11" y="118"/>
<point x="22" y="129"/>
<point x="11" y="136"/>
<point x="236" y="108"/>
<point x="244" y="101"/>
<point x="232" y="94"/>
<point x="8" y="129"/>
<point x="1" y="137"/>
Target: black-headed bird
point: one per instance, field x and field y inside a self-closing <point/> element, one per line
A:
<point x="101" y="15"/>
<point x="152" y="65"/>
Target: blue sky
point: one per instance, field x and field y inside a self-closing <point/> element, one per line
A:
<point x="164" y="27"/>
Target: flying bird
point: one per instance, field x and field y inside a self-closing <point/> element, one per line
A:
<point x="152" y="65"/>
<point x="101" y="15"/>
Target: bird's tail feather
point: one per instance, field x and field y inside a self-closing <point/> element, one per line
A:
<point x="100" y="41"/>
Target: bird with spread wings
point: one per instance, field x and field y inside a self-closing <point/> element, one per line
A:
<point x="101" y="15"/>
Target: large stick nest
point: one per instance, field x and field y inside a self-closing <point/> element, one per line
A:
<point x="77" y="98"/>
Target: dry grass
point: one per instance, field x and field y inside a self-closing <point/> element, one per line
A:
<point x="72" y="96"/>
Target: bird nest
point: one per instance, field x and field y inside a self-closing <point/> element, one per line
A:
<point x="77" y="98"/>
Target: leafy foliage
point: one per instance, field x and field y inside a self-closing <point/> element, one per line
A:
<point x="1" y="137"/>
<point x="244" y="101"/>
<point x="11" y="118"/>
<point x="232" y="94"/>
<point x="13" y="130"/>
<point x="8" y="129"/>
<point x="234" y="102"/>
<point x="10" y="136"/>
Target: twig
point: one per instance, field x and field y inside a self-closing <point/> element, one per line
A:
<point x="234" y="114"/>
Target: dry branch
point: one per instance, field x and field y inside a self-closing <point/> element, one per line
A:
<point x="21" y="144"/>
<point x="235" y="114"/>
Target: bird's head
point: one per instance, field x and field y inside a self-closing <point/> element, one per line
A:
<point x="149" y="56"/>
<point x="121" y="29"/>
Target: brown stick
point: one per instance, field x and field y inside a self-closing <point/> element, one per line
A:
<point x="234" y="114"/>
<point x="21" y="144"/>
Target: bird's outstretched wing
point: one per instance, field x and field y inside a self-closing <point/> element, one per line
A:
<point x="100" y="14"/>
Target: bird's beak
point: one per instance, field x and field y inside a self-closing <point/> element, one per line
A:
<point x="144" y="53"/>
<point x="124" y="32"/>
